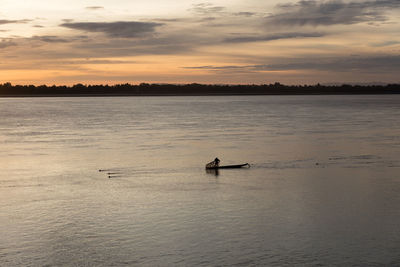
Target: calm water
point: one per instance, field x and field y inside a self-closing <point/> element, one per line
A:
<point x="323" y="189"/>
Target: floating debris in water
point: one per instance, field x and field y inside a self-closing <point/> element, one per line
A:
<point x="113" y="176"/>
<point x="112" y="173"/>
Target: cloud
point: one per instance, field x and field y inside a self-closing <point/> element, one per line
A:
<point x="272" y="37"/>
<point x="170" y="20"/>
<point x="207" y="19"/>
<point x="61" y="47"/>
<point x="370" y="64"/>
<point x="98" y="62"/>
<point x="206" y="9"/>
<point x="245" y="14"/>
<point x="210" y="67"/>
<point x="386" y="43"/>
<point x="94" y="7"/>
<point x="119" y="29"/>
<point x="342" y="64"/>
<point x="5" y="44"/>
<point x="315" y="13"/>
<point x="50" y="39"/>
<point x="131" y="47"/>
<point x="20" y="21"/>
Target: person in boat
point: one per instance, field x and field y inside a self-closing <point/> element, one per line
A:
<point x="216" y="162"/>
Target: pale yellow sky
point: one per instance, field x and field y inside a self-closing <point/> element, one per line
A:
<point x="225" y="41"/>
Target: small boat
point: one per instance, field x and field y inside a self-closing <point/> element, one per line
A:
<point x="213" y="166"/>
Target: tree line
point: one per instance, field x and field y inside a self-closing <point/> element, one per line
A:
<point x="143" y="89"/>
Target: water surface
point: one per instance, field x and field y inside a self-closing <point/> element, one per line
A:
<point x="323" y="189"/>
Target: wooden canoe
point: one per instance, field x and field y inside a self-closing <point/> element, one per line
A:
<point x="228" y="166"/>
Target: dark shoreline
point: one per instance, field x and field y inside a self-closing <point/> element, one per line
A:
<point x="173" y="95"/>
<point x="144" y="89"/>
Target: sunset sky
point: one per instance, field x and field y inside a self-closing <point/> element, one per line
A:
<point x="185" y="41"/>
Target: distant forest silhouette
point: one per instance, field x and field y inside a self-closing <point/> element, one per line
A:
<point x="145" y="89"/>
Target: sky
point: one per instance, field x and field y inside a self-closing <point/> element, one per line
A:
<point x="184" y="41"/>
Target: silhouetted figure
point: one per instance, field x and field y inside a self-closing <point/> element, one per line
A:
<point x="216" y="161"/>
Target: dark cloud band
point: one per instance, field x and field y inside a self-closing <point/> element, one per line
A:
<point x="314" y="13"/>
<point x="121" y="29"/>
<point x="272" y="37"/>
<point x="5" y="21"/>
<point x="94" y="7"/>
<point x="344" y="64"/>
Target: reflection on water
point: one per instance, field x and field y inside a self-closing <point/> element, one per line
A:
<point x="213" y="171"/>
<point x="323" y="187"/>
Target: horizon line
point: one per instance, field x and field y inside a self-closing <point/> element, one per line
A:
<point x="330" y="84"/>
